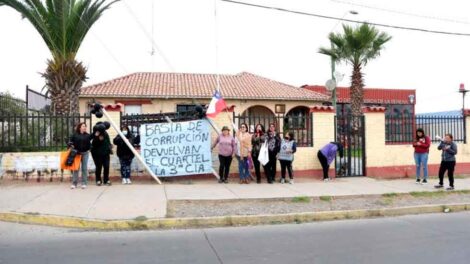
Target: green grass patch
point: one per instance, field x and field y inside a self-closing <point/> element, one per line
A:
<point x="326" y="198"/>
<point x="428" y="194"/>
<point x="301" y="199"/>
<point x="462" y="191"/>
<point x="32" y="213"/>
<point x="389" y="195"/>
<point x="141" y="218"/>
<point x="386" y="201"/>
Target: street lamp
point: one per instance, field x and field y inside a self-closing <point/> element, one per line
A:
<point x="463" y="92"/>
<point x="335" y="77"/>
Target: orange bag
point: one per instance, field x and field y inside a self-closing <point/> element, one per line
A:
<point x="76" y="161"/>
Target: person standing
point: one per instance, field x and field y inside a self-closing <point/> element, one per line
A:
<point x="100" y="151"/>
<point x="327" y="154"/>
<point x="258" y="139"/>
<point x="286" y="157"/>
<point x="449" y="150"/>
<point x="227" y="148"/>
<point x="125" y="154"/>
<point x="80" y="140"/>
<point x="274" y="146"/>
<point x="421" y="146"/>
<point x="243" y="153"/>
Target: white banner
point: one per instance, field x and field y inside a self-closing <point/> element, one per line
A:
<point x="177" y="149"/>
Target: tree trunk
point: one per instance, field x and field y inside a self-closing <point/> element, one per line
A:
<point x="357" y="93"/>
<point x="64" y="80"/>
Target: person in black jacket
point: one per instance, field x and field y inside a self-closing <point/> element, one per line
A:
<point x="100" y="151"/>
<point x="125" y="154"/>
<point x="80" y="140"/>
<point x="274" y="146"/>
<point x="258" y="139"/>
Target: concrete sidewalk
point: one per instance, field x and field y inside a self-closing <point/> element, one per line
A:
<point x="119" y="202"/>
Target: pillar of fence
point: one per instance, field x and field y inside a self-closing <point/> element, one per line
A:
<point x="375" y="139"/>
<point x="466" y="114"/>
<point x="306" y="161"/>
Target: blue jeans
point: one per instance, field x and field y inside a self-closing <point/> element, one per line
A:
<point x="421" y="160"/>
<point x="243" y="169"/>
<point x="84" y="168"/>
<point x="125" y="168"/>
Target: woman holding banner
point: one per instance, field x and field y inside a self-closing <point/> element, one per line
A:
<point x="243" y="153"/>
<point x="227" y="148"/>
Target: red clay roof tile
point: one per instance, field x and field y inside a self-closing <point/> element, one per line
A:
<point x="187" y="85"/>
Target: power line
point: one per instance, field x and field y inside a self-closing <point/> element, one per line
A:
<point x="402" y="12"/>
<point x="134" y="16"/>
<point x="349" y="20"/>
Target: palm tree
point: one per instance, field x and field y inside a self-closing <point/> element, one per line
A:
<point x="356" y="46"/>
<point x="63" y="25"/>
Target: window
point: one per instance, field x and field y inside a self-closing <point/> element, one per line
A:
<point x="133" y="109"/>
<point x="186" y="107"/>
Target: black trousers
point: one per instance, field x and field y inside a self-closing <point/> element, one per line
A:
<point x="271" y="168"/>
<point x="286" y="164"/>
<point x="324" y="164"/>
<point x="257" y="166"/>
<point x="101" y="162"/>
<point x="224" y="168"/>
<point x="448" y="166"/>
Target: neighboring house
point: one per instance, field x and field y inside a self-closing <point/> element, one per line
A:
<point x="250" y="98"/>
<point x="397" y="102"/>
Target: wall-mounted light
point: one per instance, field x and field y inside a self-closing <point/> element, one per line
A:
<point x="280" y="108"/>
<point x="411" y="98"/>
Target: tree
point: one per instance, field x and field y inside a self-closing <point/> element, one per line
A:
<point x="63" y="25"/>
<point x="356" y="46"/>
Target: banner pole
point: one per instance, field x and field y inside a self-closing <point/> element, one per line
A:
<point x="118" y="130"/>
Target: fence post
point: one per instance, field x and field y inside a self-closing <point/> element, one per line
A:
<point x="466" y="116"/>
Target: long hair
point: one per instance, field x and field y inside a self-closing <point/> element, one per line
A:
<point x="262" y="129"/>
<point x="340" y="148"/>
<point x="422" y="131"/>
<point x="78" y="126"/>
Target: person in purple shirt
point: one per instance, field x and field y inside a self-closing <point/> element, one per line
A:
<point x="327" y="154"/>
<point x="227" y="148"/>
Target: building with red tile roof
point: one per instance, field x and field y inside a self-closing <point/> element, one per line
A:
<point x="188" y="85"/>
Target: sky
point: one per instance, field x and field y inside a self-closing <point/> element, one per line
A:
<point x="186" y="36"/>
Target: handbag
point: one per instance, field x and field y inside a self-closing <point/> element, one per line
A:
<point x="263" y="157"/>
<point x="66" y="158"/>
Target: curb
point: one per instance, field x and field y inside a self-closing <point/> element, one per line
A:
<point x="224" y="221"/>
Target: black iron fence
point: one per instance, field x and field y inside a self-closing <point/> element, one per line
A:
<point x="350" y="132"/>
<point x="36" y="131"/>
<point x="300" y="125"/>
<point x="401" y="130"/>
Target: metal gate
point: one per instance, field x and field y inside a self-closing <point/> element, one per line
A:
<point x="350" y="131"/>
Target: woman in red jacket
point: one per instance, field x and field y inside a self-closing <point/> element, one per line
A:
<point x="421" y="145"/>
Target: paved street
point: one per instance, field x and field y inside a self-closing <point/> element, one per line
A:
<point x="439" y="238"/>
<point x="150" y="200"/>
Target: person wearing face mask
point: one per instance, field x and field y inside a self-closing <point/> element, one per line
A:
<point x="274" y="146"/>
<point x="286" y="157"/>
<point x="125" y="154"/>
<point x="449" y="150"/>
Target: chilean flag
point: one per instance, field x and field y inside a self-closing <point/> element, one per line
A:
<point x="216" y="106"/>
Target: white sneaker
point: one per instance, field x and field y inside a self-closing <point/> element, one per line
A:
<point x="283" y="181"/>
<point x="129" y="181"/>
<point x="291" y="181"/>
<point x="124" y="181"/>
<point x="327" y="179"/>
<point x="73" y="186"/>
<point x="83" y="186"/>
